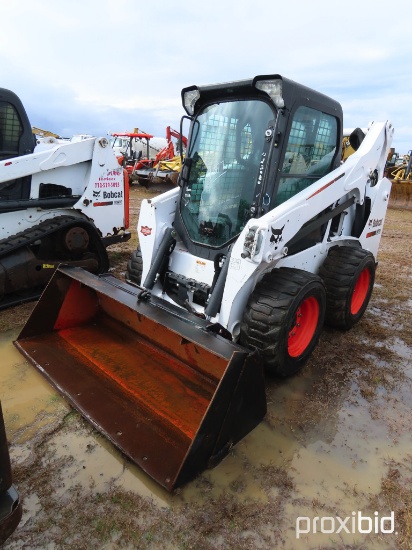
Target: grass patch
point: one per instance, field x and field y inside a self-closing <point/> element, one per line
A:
<point x="396" y="495"/>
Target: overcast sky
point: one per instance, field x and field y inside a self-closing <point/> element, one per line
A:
<point x="94" y="66"/>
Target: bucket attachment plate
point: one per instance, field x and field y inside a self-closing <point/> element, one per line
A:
<point x="171" y="395"/>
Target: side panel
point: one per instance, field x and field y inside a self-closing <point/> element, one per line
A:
<point x="104" y="199"/>
<point x="155" y="216"/>
<point x="87" y="169"/>
<point x="350" y="182"/>
<point x="74" y="178"/>
<point x="371" y="235"/>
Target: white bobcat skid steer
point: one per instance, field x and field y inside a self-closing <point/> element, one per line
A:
<point x="267" y="236"/>
<point x="269" y="232"/>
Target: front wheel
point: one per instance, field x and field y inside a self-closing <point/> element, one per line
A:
<point x="283" y="319"/>
<point x="135" y="268"/>
<point x="349" y="275"/>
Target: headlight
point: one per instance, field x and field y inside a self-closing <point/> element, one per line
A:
<point x="274" y="90"/>
<point x="189" y="99"/>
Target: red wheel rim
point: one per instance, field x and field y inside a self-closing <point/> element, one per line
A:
<point x="360" y="291"/>
<point x="306" y="321"/>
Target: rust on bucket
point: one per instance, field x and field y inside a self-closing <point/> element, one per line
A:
<point x="171" y="395"/>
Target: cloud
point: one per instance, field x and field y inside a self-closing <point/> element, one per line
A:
<point x="85" y="66"/>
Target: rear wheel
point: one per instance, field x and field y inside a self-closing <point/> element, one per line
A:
<point x="135" y="268"/>
<point x="349" y="276"/>
<point x="284" y="318"/>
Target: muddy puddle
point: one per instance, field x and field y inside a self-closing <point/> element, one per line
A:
<point x="335" y="460"/>
<point x="321" y="452"/>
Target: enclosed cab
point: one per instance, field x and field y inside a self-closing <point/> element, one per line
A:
<point x="254" y="144"/>
<point x="16" y="139"/>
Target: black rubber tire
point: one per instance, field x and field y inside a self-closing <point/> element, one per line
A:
<point x="135" y="268"/>
<point x="271" y="316"/>
<point x="346" y="269"/>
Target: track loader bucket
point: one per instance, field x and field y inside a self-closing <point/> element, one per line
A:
<point x="169" y="393"/>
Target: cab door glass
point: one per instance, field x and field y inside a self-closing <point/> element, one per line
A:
<point x="310" y="151"/>
<point x="226" y="153"/>
<point x="10" y="131"/>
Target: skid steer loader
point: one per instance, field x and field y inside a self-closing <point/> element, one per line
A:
<point x="59" y="202"/>
<point x="267" y="236"/>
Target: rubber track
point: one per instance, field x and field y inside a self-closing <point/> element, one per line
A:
<point x="40" y="231"/>
<point x="31" y="235"/>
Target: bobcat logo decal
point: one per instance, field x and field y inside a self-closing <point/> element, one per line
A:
<point x="276" y="236"/>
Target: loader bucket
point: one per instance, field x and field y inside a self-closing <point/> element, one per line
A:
<point x="401" y="195"/>
<point x="169" y="393"/>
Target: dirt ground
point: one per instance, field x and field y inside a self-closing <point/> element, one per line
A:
<point x="336" y="443"/>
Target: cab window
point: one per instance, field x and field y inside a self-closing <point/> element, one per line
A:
<point x="10" y="130"/>
<point x="309" y="152"/>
